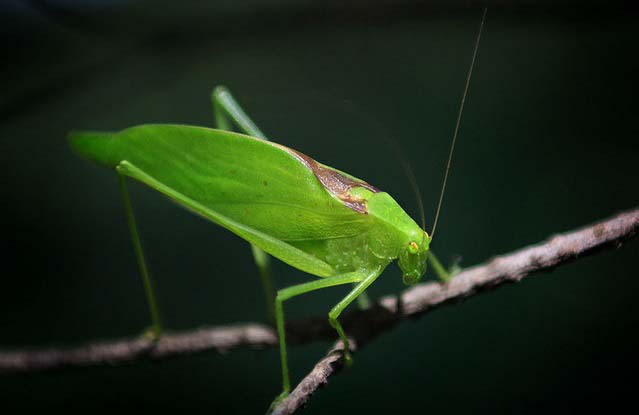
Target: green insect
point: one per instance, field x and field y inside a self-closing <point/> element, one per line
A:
<point x="287" y="205"/>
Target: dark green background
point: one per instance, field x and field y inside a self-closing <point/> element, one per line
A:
<point x="548" y="143"/>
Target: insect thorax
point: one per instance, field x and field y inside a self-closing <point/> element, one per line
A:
<point x="346" y="254"/>
<point x="391" y="230"/>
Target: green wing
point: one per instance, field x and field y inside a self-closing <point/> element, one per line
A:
<point x="253" y="188"/>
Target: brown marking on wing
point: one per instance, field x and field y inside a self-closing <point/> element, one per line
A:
<point x="336" y="183"/>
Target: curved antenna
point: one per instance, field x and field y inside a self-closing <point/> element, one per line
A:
<point x="459" y="115"/>
<point x="418" y="194"/>
<point x="408" y="171"/>
<point x="398" y="153"/>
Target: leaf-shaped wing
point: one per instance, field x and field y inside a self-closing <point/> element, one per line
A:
<point x="260" y="185"/>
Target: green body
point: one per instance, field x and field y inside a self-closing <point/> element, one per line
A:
<point x="262" y="192"/>
<point x="311" y="216"/>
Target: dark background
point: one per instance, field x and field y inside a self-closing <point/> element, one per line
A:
<point x="548" y="143"/>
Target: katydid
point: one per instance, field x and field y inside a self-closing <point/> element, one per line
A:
<point x="284" y="203"/>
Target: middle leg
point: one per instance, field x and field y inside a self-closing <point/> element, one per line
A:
<point x="290" y="292"/>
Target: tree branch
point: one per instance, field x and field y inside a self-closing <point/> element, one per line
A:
<point x="220" y="339"/>
<point x="560" y="249"/>
<point x="362" y="326"/>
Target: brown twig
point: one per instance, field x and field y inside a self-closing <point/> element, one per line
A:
<point x="363" y="326"/>
<point x="221" y="339"/>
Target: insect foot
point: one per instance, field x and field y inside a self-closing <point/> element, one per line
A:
<point x="455" y="267"/>
<point x="277" y="401"/>
<point x="345" y="351"/>
<point x="151" y="334"/>
<point x="348" y="358"/>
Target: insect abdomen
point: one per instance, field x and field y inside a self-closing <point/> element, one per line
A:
<point x="95" y="146"/>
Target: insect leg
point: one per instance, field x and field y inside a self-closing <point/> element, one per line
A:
<point x="263" y="261"/>
<point x="290" y="292"/>
<point x="363" y="301"/>
<point x="439" y="269"/>
<point x="333" y="315"/>
<point x="137" y="246"/>
<point x="228" y="112"/>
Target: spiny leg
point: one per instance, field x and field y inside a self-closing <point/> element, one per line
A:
<point x="227" y="112"/>
<point x="139" y="253"/>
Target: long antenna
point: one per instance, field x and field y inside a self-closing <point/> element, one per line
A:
<point x="408" y="171"/>
<point x="418" y="194"/>
<point x="392" y="143"/>
<point x="459" y="115"/>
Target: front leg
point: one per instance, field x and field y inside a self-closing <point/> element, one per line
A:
<point x="441" y="272"/>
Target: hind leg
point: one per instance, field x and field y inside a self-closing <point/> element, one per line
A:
<point x="149" y="288"/>
<point x="228" y="113"/>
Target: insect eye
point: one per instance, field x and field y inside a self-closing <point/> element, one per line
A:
<point x="413" y="248"/>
